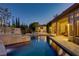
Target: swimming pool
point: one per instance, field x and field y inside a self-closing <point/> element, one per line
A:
<point x="37" y="47"/>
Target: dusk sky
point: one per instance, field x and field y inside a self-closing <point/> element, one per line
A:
<point x="42" y="13"/>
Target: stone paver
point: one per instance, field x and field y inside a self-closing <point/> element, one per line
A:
<point x="70" y="46"/>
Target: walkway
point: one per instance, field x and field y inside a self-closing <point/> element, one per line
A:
<point x="35" y="48"/>
<point x="69" y="47"/>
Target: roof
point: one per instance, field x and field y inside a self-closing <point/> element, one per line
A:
<point x="70" y="9"/>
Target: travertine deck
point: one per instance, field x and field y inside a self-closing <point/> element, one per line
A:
<point x="69" y="46"/>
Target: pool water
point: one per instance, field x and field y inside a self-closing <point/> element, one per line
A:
<point x="34" y="48"/>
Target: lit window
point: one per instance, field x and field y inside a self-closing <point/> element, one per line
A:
<point x="77" y="14"/>
<point x="71" y="16"/>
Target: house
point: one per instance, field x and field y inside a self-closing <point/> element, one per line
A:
<point x="66" y="24"/>
<point x="41" y="29"/>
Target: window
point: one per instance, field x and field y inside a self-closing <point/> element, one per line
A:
<point x="54" y="28"/>
<point x="77" y="14"/>
<point x="71" y="15"/>
<point x="62" y="28"/>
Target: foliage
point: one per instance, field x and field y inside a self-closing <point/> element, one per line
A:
<point x="5" y="14"/>
<point x="33" y="25"/>
<point x="16" y="23"/>
<point x="24" y="28"/>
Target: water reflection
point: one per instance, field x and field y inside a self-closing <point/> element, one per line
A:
<point x="44" y="38"/>
<point x="37" y="47"/>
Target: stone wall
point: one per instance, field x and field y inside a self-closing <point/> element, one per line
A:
<point x="9" y="30"/>
<point x="13" y="39"/>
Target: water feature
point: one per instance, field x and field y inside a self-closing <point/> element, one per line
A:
<point x="37" y="47"/>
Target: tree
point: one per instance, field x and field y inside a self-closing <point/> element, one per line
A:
<point x="17" y="22"/>
<point x="33" y="25"/>
<point x="9" y="24"/>
<point x="13" y="22"/>
<point x="24" y="28"/>
<point x="5" y="14"/>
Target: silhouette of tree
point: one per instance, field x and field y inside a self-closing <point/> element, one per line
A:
<point x="24" y="28"/>
<point x="13" y="22"/>
<point x="5" y="14"/>
<point x="17" y="22"/>
<point x="33" y="25"/>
